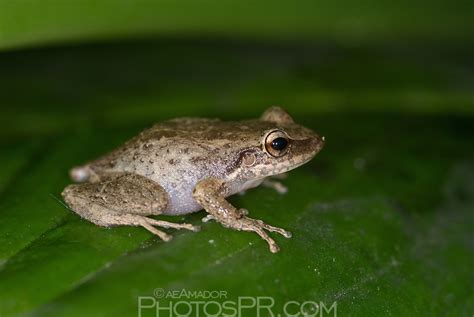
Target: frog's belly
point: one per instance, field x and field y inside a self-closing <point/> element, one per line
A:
<point x="177" y="182"/>
<point x="181" y="202"/>
<point x="179" y="185"/>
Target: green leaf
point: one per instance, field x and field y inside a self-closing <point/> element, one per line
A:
<point x="381" y="220"/>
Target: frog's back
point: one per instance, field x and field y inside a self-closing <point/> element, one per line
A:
<point x="192" y="140"/>
<point x="163" y="142"/>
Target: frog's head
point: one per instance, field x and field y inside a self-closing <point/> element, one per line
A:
<point x="282" y="145"/>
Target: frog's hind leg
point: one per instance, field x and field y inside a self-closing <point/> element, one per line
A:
<point x="125" y="199"/>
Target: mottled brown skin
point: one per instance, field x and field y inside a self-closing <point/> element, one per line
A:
<point x="187" y="164"/>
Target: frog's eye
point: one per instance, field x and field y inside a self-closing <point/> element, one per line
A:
<point x="277" y="143"/>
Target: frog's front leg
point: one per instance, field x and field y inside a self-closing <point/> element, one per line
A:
<point x="210" y="194"/>
<point x="122" y="199"/>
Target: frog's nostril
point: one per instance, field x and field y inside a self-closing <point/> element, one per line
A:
<point x="318" y="143"/>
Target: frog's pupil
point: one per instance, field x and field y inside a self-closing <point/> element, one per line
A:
<point x="279" y="144"/>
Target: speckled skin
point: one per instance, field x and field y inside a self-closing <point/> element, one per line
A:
<point x="176" y="166"/>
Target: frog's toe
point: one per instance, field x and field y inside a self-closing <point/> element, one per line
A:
<point x="260" y="228"/>
<point x="266" y="226"/>
<point x="281" y="231"/>
<point x="167" y="224"/>
<point x="274" y="248"/>
<point x="163" y="235"/>
<point x="208" y="218"/>
<point x="195" y="228"/>
<point x="188" y="227"/>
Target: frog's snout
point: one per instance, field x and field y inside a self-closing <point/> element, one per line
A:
<point x="320" y="141"/>
<point x="305" y="149"/>
<point x="316" y="143"/>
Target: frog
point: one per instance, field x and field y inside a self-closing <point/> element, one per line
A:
<point x="184" y="165"/>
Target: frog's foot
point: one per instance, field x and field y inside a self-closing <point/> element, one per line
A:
<point x="259" y="227"/>
<point x="207" y="218"/>
<point x="149" y="223"/>
<point x="104" y="216"/>
<point x="210" y="193"/>
<point x="276" y="185"/>
<point x="108" y="218"/>
<point x="148" y="226"/>
<point x="167" y="224"/>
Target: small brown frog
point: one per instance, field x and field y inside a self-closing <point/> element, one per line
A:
<point x="184" y="165"/>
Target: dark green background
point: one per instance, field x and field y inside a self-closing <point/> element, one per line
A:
<point x="382" y="218"/>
